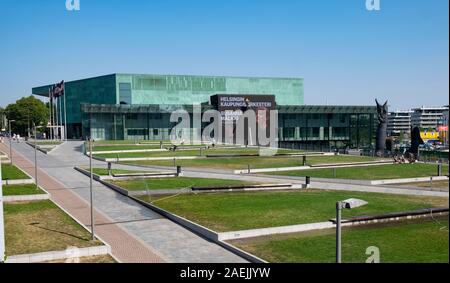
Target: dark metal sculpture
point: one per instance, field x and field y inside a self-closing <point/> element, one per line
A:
<point x="382" y="128"/>
<point x="416" y="141"/>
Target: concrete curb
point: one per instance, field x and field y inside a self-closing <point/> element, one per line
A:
<point x="267" y="170"/>
<point x="409" y="180"/>
<point x="234" y="235"/>
<point x="253" y="233"/>
<point x="127" y="176"/>
<point x="312" y="167"/>
<point x="7" y="199"/>
<point x="59" y="255"/>
<point x="18" y="182"/>
<point x="150" y="158"/>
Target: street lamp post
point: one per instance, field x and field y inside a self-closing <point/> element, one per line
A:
<point x="35" y="155"/>
<point x="340" y="205"/>
<point x="2" y="226"/>
<point x="10" y="141"/>
<point x="91" y="191"/>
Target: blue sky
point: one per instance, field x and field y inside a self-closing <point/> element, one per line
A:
<point x="346" y="54"/>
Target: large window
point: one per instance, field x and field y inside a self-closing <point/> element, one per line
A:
<point x="289" y="133"/>
<point x="125" y="93"/>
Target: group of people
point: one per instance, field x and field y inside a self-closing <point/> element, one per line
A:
<point x="401" y="159"/>
<point x="15" y="137"/>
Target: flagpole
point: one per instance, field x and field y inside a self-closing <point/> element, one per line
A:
<point x="61" y="116"/>
<point x="65" y="113"/>
<point x="57" y="118"/>
<point x="53" y="116"/>
<point x="50" y="112"/>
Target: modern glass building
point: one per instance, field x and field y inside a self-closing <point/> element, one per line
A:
<point x="124" y="106"/>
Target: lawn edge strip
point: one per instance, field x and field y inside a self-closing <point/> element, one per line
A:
<point x="331" y="224"/>
<point x="26" y="198"/>
<point x="122" y="177"/>
<point x="59" y="255"/>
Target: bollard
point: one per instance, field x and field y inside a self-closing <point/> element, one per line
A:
<point x="160" y="145"/>
<point x="174" y="162"/>
<point x="308" y="181"/>
<point x="118" y="158"/>
<point x="304" y="160"/>
<point x="431" y="182"/>
<point x="179" y="171"/>
<point x="109" y="169"/>
<point x="440" y="169"/>
<point x="249" y="169"/>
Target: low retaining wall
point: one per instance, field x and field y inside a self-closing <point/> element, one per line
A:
<point x="127" y="151"/>
<point x="396" y="216"/>
<point x="234" y="235"/>
<point x="128" y="176"/>
<point x="243" y="188"/>
<point x="59" y="255"/>
<point x="312" y="167"/>
<point x="352" y="164"/>
<point x="356" y="221"/>
<point x="267" y="170"/>
<point x="409" y="180"/>
<point x="26" y="198"/>
<point x="149" y="158"/>
<point x="18" y="182"/>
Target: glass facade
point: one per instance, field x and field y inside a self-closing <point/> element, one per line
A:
<point x="303" y="127"/>
<point x="136" y="107"/>
<point x="165" y="90"/>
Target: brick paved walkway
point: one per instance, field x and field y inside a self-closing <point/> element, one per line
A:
<point x="158" y="235"/>
<point x="124" y="247"/>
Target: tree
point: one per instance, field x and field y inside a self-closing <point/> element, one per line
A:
<point x="2" y="119"/>
<point x="26" y="112"/>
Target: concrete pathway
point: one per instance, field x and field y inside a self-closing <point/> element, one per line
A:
<point x="135" y="233"/>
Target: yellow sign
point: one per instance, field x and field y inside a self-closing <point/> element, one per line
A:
<point x="429" y="135"/>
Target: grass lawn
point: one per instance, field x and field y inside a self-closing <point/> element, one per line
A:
<point x="41" y="226"/>
<point x="194" y="152"/>
<point x="258" y="162"/>
<point x="249" y="210"/>
<point x="380" y="172"/>
<point x="174" y="183"/>
<point x="414" y="241"/>
<point x="20" y="190"/>
<point x="11" y="172"/>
